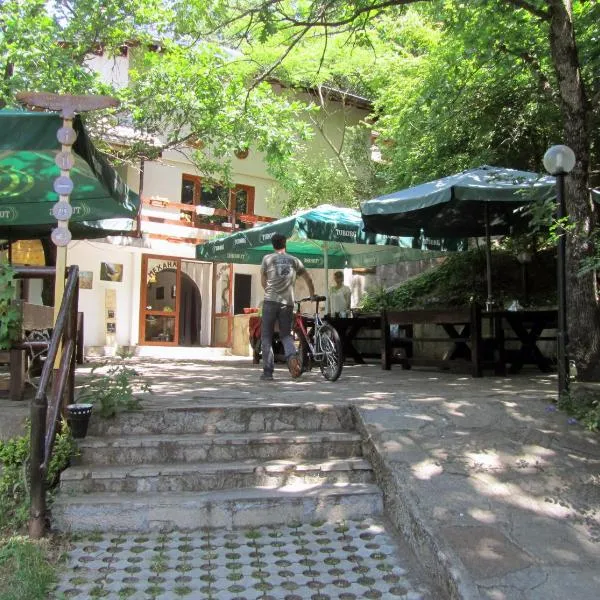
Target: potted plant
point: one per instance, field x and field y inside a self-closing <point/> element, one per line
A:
<point x="78" y="418"/>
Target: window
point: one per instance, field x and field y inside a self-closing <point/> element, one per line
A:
<point x="215" y="197"/>
<point x="227" y="205"/>
<point x="189" y="193"/>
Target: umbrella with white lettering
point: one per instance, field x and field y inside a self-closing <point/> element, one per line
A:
<point x="101" y="201"/>
<point x="323" y="237"/>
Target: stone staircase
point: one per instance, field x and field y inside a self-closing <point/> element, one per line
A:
<point x="217" y="466"/>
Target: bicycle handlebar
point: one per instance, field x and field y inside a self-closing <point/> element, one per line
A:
<point x="312" y="299"/>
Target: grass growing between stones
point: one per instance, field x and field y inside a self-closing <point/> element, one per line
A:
<point x="28" y="568"/>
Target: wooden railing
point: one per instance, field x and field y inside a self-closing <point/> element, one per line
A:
<point x="220" y="219"/>
<point x="55" y="390"/>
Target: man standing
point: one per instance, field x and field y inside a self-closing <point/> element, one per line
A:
<point x="278" y="274"/>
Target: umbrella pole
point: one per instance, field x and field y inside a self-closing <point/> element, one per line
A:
<point x="488" y="258"/>
<point x="326" y="267"/>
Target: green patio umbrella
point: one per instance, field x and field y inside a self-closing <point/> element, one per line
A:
<point x="322" y="237"/>
<point x="102" y="203"/>
<point x="477" y="202"/>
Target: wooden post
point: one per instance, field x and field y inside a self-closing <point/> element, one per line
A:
<point x="386" y="343"/>
<point x="476" y="343"/>
<point x="18" y="363"/>
<point x="37" y="508"/>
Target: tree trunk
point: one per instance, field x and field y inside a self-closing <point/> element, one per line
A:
<point x="583" y="314"/>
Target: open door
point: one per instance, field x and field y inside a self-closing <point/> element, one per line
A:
<point x="159" y="314"/>
<point x="223" y="312"/>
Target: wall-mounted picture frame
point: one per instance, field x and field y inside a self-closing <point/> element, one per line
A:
<point x="86" y="279"/>
<point x="111" y="272"/>
<point x="160" y="293"/>
<point x="111" y="328"/>
<point x="110" y="314"/>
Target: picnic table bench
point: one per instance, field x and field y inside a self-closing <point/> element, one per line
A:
<point x="459" y="330"/>
<point x="472" y="338"/>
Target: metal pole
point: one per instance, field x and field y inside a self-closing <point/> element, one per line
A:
<point x="326" y="266"/>
<point x="562" y="334"/>
<point x="489" y="305"/>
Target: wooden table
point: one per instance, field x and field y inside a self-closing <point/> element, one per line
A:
<point x="349" y="329"/>
<point x="526" y="327"/>
<point x="461" y="327"/>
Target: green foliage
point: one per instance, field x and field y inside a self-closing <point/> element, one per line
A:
<point x="461" y="279"/>
<point x="465" y="99"/>
<point x="26" y="570"/>
<point x="10" y="316"/>
<point x="585" y="408"/>
<point x="114" y="390"/>
<point x="14" y="482"/>
<point x="180" y="86"/>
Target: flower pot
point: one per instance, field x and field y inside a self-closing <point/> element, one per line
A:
<point x="78" y="418"/>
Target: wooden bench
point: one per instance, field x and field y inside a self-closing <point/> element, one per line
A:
<point x="35" y="317"/>
<point x="462" y="336"/>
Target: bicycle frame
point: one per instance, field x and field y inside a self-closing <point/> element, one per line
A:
<point x="300" y="326"/>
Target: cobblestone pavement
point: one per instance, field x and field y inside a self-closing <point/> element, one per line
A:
<point x="319" y="561"/>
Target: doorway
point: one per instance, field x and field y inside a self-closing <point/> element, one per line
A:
<point x="159" y="314"/>
<point x="242" y="292"/>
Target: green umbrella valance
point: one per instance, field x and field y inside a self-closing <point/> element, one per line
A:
<point x="102" y="202"/>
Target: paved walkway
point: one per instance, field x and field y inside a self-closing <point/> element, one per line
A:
<point x="317" y="561"/>
<point x="496" y="492"/>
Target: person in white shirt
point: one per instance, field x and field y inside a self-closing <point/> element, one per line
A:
<point x="339" y="296"/>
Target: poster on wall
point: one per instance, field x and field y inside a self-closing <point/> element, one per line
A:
<point x="111" y="272"/>
<point x="110" y="314"/>
<point x="86" y="278"/>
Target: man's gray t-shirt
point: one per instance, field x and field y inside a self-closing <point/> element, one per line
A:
<point x="280" y="271"/>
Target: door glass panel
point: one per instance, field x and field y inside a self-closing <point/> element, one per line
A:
<point x="160" y="328"/>
<point x="161" y="289"/>
<point x="223" y="287"/>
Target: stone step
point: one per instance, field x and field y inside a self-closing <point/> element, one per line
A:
<point x="214" y="476"/>
<point x="231" y="418"/>
<point x="190" y="448"/>
<point x="250" y="507"/>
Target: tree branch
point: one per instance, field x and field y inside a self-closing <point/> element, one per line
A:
<point x="534" y="64"/>
<point x="530" y="8"/>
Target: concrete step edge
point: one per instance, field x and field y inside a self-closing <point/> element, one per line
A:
<point x="77" y="473"/>
<point x="164" y="499"/>
<point x="134" y="440"/>
<point x="199" y="511"/>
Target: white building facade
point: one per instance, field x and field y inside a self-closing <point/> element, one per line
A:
<point x="151" y="291"/>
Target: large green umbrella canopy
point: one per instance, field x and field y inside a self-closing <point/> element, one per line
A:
<point x="326" y="234"/>
<point x="483" y="201"/>
<point x="102" y="203"/>
<point x="323" y="237"/>
<point x="457" y="205"/>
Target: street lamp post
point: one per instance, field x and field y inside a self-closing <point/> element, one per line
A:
<point x="559" y="161"/>
<point x="525" y="257"/>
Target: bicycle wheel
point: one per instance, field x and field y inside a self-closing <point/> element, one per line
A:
<point x="302" y="350"/>
<point x="329" y="348"/>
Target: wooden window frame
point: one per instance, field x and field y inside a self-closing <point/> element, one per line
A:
<point x="230" y="212"/>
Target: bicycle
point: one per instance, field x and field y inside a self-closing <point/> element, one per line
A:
<point x="320" y="343"/>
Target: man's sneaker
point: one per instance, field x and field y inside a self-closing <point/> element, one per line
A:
<point x="266" y="377"/>
<point x="295" y="366"/>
